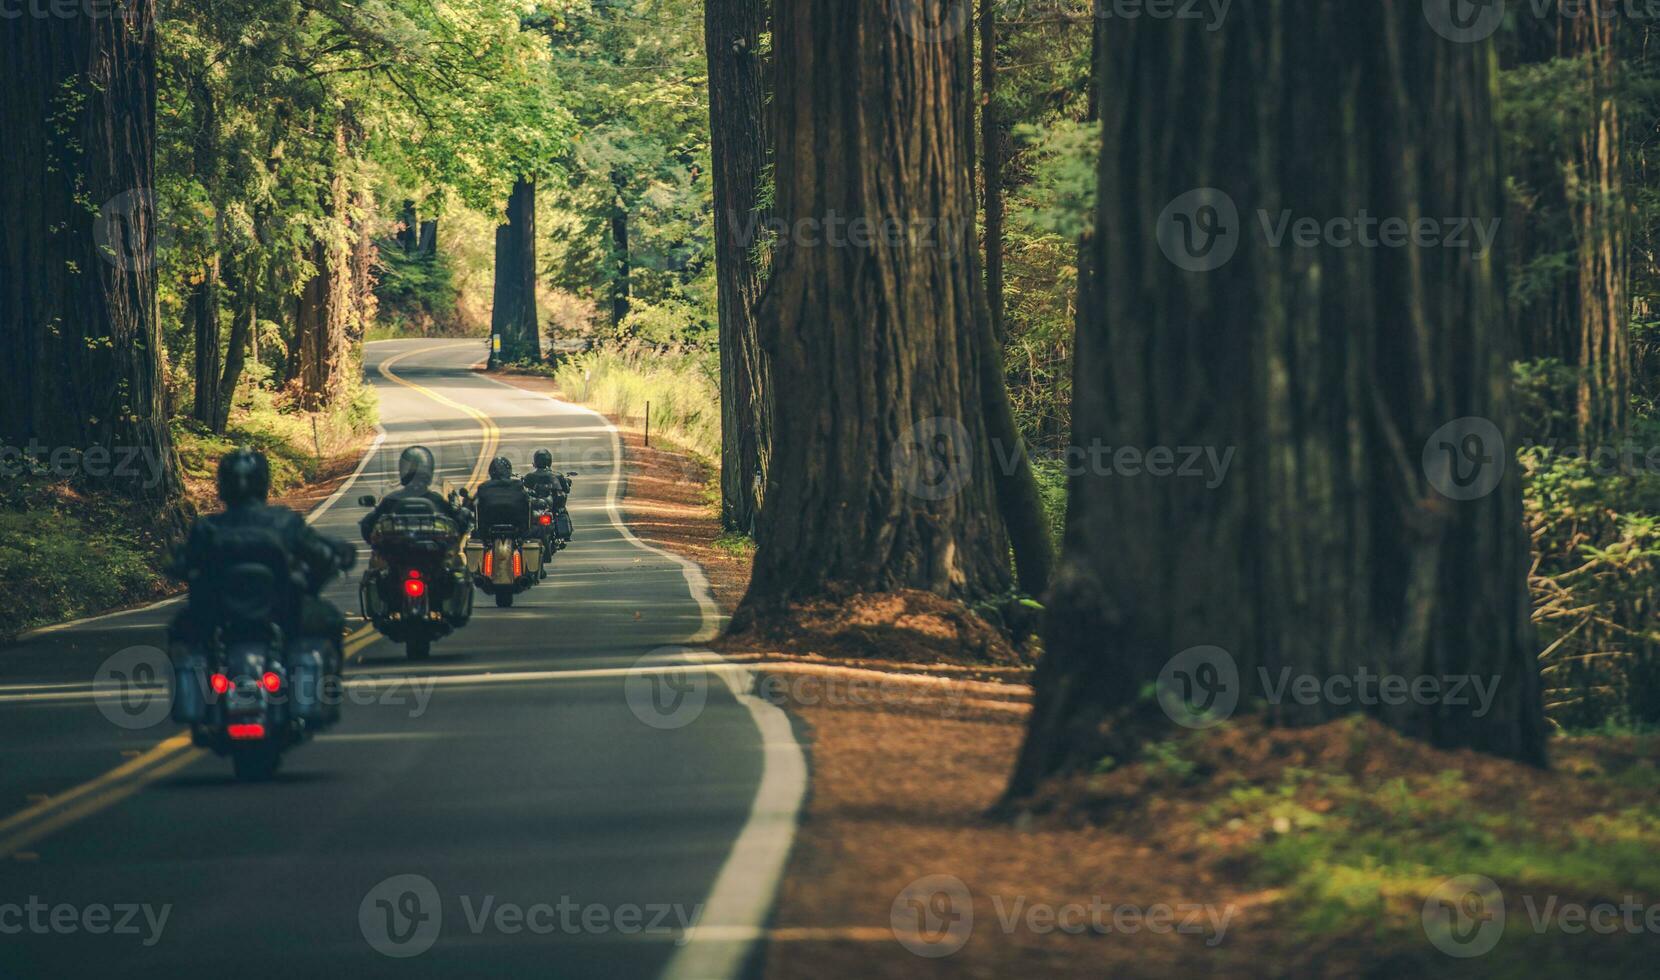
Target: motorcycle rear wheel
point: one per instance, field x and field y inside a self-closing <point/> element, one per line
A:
<point x="504" y="600"/>
<point x="418" y="649"/>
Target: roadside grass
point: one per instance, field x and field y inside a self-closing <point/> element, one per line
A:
<point x="65" y="554"/>
<point x="682" y="389"/>
<point x="1352" y="828"/>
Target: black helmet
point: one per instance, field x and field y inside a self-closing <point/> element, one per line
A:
<point x="500" y="468"/>
<point x="543" y="459"/>
<point x="244" y="477"/>
<point x="416" y="466"/>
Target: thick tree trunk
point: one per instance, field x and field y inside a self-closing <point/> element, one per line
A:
<point x="429" y="239"/>
<point x="409" y="232"/>
<point x="991" y="130"/>
<point x="739" y="150"/>
<point x="515" y="318"/>
<point x="1328" y="369"/>
<point x="365" y="306"/>
<point x="622" y="274"/>
<point x="879" y="474"/>
<point x="242" y="282"/>
<point x="202" y="310"/>
<point x="78" y="299"/>
<point x="328" y="299"/>
<point x="1581" y="316"/>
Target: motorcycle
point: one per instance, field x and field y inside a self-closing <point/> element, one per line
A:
<point x="550" y="523"/>
<point x="415" y="590"/>
<point x="503" y="561"/>
<point x="250" y="692"/>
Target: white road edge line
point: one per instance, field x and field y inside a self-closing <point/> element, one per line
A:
<point x="739" y="905"/>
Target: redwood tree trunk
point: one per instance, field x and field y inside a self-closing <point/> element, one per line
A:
<point x="327" y="301"/>
<point x="1328" y="370"/>
<point x="739" y="150"/>
<point x="515" y="318"/>
<point x="1577" y="205"/>
<point x="622" y="274"/>
<point x="992" y="166"/>
<point x="241" y="281"/>
<point x="202" y="308"/>
<point x="873" y="317"/>
<point x="78" y="299"/>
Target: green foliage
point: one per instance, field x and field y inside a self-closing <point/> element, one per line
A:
<point x="682" y="389"/>
<point x="417" y="295"/>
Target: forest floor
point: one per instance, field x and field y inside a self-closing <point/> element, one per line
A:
<point x="1241" y="850"/>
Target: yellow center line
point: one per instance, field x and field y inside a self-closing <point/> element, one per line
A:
<point x="170" y="756"/>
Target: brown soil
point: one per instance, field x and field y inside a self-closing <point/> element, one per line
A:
<point x="904" y="627"/>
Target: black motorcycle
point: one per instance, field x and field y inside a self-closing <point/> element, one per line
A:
<point x="415" y="590"/>
<point x="550" y="523"/>
<point x="251" y="692"/>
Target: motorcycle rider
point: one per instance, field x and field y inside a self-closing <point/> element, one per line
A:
<point x="502" y="500"/>
<point x="244" y="479"/>
<point x="544" y="481"/>
<point x="415" y="472"/>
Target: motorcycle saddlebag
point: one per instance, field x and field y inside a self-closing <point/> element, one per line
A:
<point x="562" y="526"/>
<point x="190" y="685"/>
<point x="533" y="557"/>
<point x="475" y="556"/>
<point x="305" y="667"/>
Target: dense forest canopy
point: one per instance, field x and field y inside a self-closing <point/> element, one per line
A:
<point x="223" y="199"/>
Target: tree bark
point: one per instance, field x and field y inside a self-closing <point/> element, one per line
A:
<point x="622" y="274"/>
<point x="82" y="370"/>
<point x="880" y="456"/>
<point x="409" y="232"/>
<point x="202" y="309"/>
<point x="429" y="239"/>
<point x="515" y="318"/>
<point x="739" y="150"/>
<point x="1333" y="544"/>
<point x="241" y="281"/>
<point x="327" y="301"/>
<point x="992" y="166"/>
<point x="1582" y="316"/>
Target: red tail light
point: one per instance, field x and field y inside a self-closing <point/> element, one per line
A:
<point x="220" y="683"/>
<point x="271" y="682"/>
<point x="414" y="588"/>
<point x="545" y="520"/>
<point x="518" y="564"/>
<point x="244" y="733"/>
<point x="489" y="563"/>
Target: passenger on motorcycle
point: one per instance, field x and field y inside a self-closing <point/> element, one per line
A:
<point x="244" y="485"/>
<point x="502" y="500"/>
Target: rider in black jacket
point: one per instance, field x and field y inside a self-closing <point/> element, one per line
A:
<point x="244" y="485"/>
<point x="415" y="471"/>
<point x="503" y="499"/>
<point x="544" y="481"/>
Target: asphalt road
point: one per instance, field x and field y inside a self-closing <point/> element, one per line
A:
<point x="532" y="801"/>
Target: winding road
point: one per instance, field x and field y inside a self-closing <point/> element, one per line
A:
<point x="568" y="788"/>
